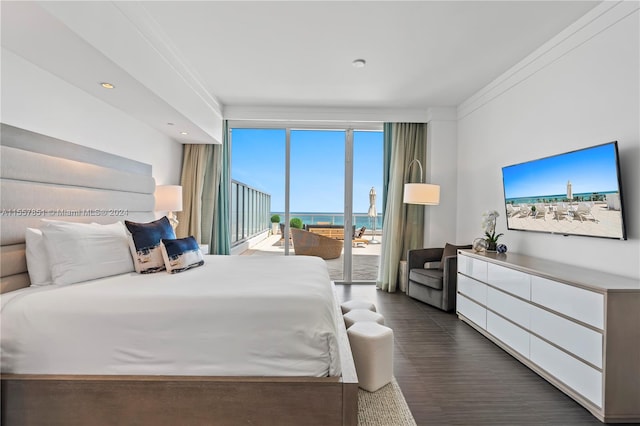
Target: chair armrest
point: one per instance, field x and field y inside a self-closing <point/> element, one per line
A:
<point x="450" y="282"/>
<point x="450" y="269"/>
<point x="417" y="258"/>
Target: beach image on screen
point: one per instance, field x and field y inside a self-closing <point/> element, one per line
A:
<point x="576" y="193"/>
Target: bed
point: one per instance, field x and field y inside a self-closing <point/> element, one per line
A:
<point x="240" y="340"/>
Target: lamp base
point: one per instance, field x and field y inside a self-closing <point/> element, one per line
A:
<point x="173" y="220"/>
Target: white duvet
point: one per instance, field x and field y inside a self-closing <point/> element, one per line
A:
<point x="234" y="316"/>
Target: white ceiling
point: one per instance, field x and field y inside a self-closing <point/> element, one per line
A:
<point x="184" y="62"/>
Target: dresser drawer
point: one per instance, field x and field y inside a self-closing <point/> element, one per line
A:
<point x="472" y="289"/>
<point x="508" y="306"/>
<point x="472" y="267"/>
<point x="579" y="340"/>
<point x="510" y="334"/>
<point x="583" y="305"/>
<point x="473" y="311"/>
<point x="577" y="375"/>
<point x="509" y="280"/>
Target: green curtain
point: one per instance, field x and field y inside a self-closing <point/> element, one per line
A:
<point x="403" y="224"/>
<point x="221" y="239"/>
<point x="386" y="163"/>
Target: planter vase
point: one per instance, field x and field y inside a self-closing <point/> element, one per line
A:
<point x="492" y="246"/>
<point x="479" y="245"/>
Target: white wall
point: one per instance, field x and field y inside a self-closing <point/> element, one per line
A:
<point x="580" y="89"/>
<point x="440" y="220"/>
<point x="36" y="100"/>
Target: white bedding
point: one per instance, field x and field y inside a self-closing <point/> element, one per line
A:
<point x="234" y="316"/>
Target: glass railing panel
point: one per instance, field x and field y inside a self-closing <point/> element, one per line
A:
<point x="249" y="212"/>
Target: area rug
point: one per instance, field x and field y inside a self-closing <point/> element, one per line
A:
<point x="385" y="407"/>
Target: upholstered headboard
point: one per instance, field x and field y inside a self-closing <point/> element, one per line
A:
<point x="47" y="178"/>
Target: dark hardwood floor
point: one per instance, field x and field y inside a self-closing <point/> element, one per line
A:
<point x="452" y="375"/>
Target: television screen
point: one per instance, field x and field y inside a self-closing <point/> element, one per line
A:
<point x="575" y="193"/>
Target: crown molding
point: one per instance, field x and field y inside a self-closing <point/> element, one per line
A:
<point x="318" y="115"/>
<point x="164" y="46"/>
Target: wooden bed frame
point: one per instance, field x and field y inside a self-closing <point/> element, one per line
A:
<point x="34" y="399"/>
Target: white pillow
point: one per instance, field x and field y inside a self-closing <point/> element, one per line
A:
<point x="38" y="264"/>
<point x="81" y="251"/>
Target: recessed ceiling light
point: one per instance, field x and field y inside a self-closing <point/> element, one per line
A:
<point x="107" y="85"/>
<point x="359" y="63"/>
<point x="184" y="133"/>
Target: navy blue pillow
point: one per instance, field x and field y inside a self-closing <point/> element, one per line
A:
<point x="181" y="254"/>
<point x="144" y="242"/>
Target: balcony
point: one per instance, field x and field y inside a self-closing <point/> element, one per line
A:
<point x="252" y="234"/>
<point x="365" y="257"/>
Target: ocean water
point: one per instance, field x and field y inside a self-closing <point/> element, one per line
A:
<point x="583" y="196"/>
<point x="310" y="218"/>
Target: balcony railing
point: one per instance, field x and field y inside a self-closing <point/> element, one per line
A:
<point x="249" y="212"/>
<point x="358" y="219"/>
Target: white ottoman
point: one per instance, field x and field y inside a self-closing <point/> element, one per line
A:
<point x="357" y="304"/>
<point x="357" y="315"/>
<point x="372" y="348"/>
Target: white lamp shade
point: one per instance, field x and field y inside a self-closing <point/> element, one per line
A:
<point x="421" y="193"/>
<point x="168" y="198"/>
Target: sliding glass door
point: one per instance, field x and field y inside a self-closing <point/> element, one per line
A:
<point x="258" y="160"/>
<point x="316" y="196"/>
<point x="367" y="203"/>
<point x="324" y="181"/>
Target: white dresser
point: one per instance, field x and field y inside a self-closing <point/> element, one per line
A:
<point x="577" y="328"/>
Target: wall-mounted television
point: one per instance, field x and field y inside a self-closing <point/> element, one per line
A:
<point x="573" y="193"/>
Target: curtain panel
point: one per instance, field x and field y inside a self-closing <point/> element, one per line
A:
<point x="195" y="161"/>
<point x="386" y="163"/>
<point x="221" y="232"/>
<point x="205" y="190"/>
<point x="403" y="224"/>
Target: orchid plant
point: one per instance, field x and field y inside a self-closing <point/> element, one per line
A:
<point x="489" y="226"/>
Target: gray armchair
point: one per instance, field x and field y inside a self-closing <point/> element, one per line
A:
<point x="434" y="285"/>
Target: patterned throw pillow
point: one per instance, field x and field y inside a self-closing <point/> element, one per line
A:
<point x="144" y="242"/>
<point x="181" y="254"/>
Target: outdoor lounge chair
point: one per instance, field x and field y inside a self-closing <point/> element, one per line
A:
<point x="561" y="212"/>
<point x="307" y="243"/>
<point x="525" y="210"/>
<point x="583" y="212"/>
<point x="281" y="241"/>
<point x="512" y="211"/>
<point x="541" y="211"/>
<point x="357" y="237"/>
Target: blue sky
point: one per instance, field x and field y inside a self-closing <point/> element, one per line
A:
<point x="317" y="167"/>
<point x="589" y="170"/>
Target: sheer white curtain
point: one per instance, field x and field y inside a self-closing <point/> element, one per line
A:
<point x="403" y="224"/>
